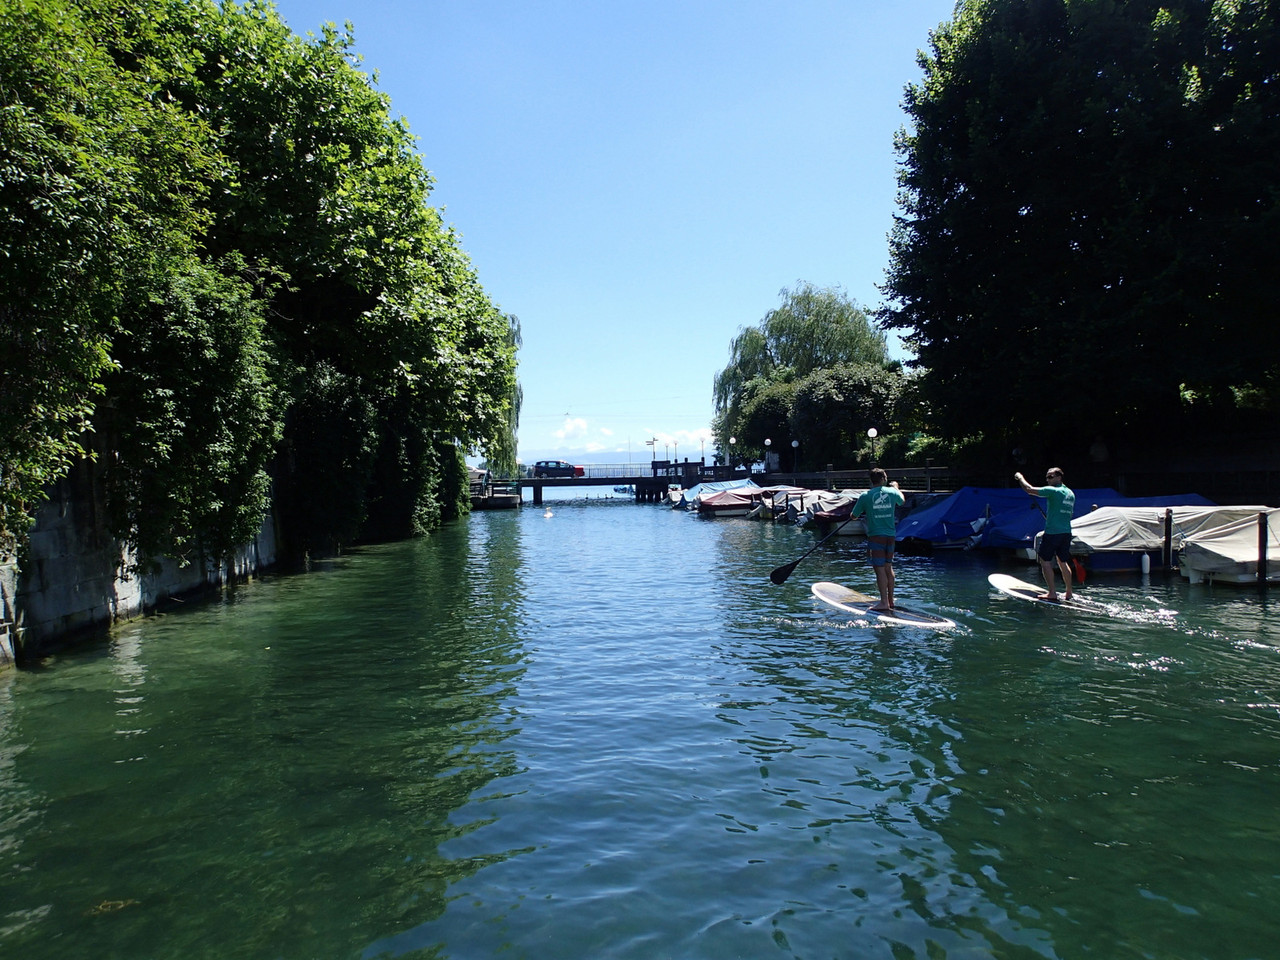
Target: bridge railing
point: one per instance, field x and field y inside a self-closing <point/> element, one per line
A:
<point x="929" y="478"/>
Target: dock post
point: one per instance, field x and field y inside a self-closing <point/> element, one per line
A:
<point x="1262" y="550"/>
<point x="537" y="494"/>
<point x="1167" y="553"/>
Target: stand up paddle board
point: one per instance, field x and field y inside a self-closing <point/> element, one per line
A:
<point x="1013" y="587"/>
<point x="851" y="601"/>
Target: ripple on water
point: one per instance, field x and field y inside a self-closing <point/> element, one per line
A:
<point x="608" y="734"/>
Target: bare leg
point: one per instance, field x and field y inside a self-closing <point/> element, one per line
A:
<point x="885" y="586"/>
<point x="891" y="581"/>
<point x="1066" y="577"/>
<point x="1046" y="569"/>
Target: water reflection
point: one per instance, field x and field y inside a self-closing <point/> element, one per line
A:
<point x="309" y="734"/>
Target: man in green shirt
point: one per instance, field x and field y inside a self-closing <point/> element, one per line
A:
<point x="1055" y="544"/>
<point x="879" y="505"/>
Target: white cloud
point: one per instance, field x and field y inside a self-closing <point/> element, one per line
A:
<point x="573" y="428"/>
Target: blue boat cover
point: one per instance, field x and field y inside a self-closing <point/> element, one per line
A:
<point x="1008" y="517"/>
<point x="956" y="521"/>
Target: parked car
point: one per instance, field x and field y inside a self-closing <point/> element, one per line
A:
<point x="556" y="468"/>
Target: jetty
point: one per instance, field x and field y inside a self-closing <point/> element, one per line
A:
<point x="650" y="481"/>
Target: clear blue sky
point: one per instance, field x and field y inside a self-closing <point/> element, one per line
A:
<point x="637" y="180"/>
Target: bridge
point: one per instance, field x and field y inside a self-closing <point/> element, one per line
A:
<point x="651" y="480"/>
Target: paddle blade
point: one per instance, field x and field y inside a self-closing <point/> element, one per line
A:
<point x="1077" y="570"/>
<point x="781" y="573"/>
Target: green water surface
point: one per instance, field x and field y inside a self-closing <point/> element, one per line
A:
<point x="605" y="733"/>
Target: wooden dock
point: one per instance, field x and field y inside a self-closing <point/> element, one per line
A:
<point x="495" y="496"/>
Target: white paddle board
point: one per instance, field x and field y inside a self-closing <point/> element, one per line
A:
<point x="1013" y="587"/>
<point x="851" y="601"/>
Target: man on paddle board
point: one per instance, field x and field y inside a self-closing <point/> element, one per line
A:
<point x="1056" y="542"/>
<point x="879" y="505"/>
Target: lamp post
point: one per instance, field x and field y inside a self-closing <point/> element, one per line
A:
<point x="873" y="433"/>
<point x="733" y="442"/>
<point x="795" y="455"/>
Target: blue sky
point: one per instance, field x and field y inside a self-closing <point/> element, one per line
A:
<point x="638" y="181"/>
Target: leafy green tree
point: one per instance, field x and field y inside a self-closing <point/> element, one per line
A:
<point x="834" y="408"/>
<point x="1089" y="197"/>
<point x="812" y="329"/>
<point x="95" y="173"/>
<point x="765" y="415"/>
<point x="328" y="187"/>
<point x="193" y="414"/>
<point x="215" y="237"/>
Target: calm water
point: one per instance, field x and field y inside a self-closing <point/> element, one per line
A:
<point x="607" y="734"/>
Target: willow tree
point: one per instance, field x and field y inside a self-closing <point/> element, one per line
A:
<point x="812" y="329"/>
<point x="1090" y="203"/>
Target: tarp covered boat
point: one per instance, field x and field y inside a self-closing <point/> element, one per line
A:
<point x="1231" y="552"/>
<point x="1117" y="537"/>
<point x="960" y="521"/>
<point x="828" y="510"/>
<point x="1018" y="529"/>
<point x="746" y="501"/>
<point x="688" y="499"/>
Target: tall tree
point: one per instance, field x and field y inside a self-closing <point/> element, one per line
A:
<point x="1089" y="193"/>
<point x="834" y="408"/>
<point x="218" y="227"/>
<point x="812" y="329"/>
<point x="95" y="175"/>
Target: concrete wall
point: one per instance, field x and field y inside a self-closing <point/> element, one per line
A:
<point x="72" y="580"/>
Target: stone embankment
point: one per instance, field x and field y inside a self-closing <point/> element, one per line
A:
<point x="73" y="581"/>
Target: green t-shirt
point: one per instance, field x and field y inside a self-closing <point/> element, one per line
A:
<point x="878" y="505"/>
<point x="1062" y="505"/>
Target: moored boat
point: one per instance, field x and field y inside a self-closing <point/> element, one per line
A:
<point x="1235" y="551"/>
<point x="1135" y="536"/>
<point x="768" y="502"/>
<point x="827" y="512"/>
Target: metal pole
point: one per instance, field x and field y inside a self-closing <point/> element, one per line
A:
<point x="1167" y="556"/>
<point x="1262" y="550"/>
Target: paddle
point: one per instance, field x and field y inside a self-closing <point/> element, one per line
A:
<point x="781" y="573"/>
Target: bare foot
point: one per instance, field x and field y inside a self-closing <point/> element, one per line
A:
<point x="1051" y="597"/>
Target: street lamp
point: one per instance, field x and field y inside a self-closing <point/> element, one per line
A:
<point x="873" y="433"/>
<point x="795" y="455"/>
<point x="733" y="442"/>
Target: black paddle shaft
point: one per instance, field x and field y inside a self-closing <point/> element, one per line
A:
<point x="780" y="574"/>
